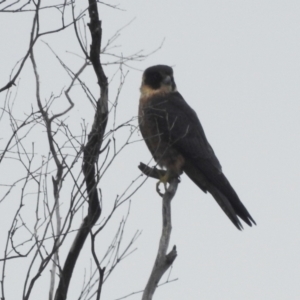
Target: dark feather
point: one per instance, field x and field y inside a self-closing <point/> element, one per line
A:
<point x="179" y="126"/>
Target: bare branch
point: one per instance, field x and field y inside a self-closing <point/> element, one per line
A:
<point x="57" y="165"/>
<point x="91" y="154"/>
<point x="163" y="260"/>
<point x="34" y="36"/>
<point x="152" y="172"/>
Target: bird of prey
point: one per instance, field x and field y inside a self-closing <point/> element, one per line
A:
<point x="177" y="142"/>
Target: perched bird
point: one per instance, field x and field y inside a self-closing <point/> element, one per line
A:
<point x="175" y="138"/>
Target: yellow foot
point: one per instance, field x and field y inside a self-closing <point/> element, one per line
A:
<point x="163" y="179"/>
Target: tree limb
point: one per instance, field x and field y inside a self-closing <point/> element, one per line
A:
<point x="91" y="155"/>
<point x="152" y="172"/>
<point x="163" y="260"/>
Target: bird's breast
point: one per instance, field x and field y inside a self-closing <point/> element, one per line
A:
<point x="156" y="136"/>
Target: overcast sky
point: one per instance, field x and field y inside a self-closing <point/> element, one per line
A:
<point x="237" y="63"/>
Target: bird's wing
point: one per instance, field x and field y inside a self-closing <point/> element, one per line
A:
<point x="179" y="124"/>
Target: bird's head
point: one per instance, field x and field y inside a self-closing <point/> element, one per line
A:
<point x="158" y="79"/>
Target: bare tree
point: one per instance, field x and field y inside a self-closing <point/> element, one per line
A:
<point x="56" y="163"/>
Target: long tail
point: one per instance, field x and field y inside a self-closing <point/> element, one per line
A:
<point x="224" y="194"/>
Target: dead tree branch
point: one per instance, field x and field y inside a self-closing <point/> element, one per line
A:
<point x="163" y="260"/>
<point x="36" y="34"/>
<point x="91" y="155"/>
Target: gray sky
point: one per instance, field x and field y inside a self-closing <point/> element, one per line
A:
<point x="237" y="64"/>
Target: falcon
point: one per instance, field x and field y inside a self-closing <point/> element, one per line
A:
<point x="177" y="142"/>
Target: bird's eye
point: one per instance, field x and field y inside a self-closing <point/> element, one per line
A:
<point x="156" y="76"/>
<point x="153" y="79"/>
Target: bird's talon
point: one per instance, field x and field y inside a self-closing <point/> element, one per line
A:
<point x="158" y="190"/>
<point x="164" y="180"/>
